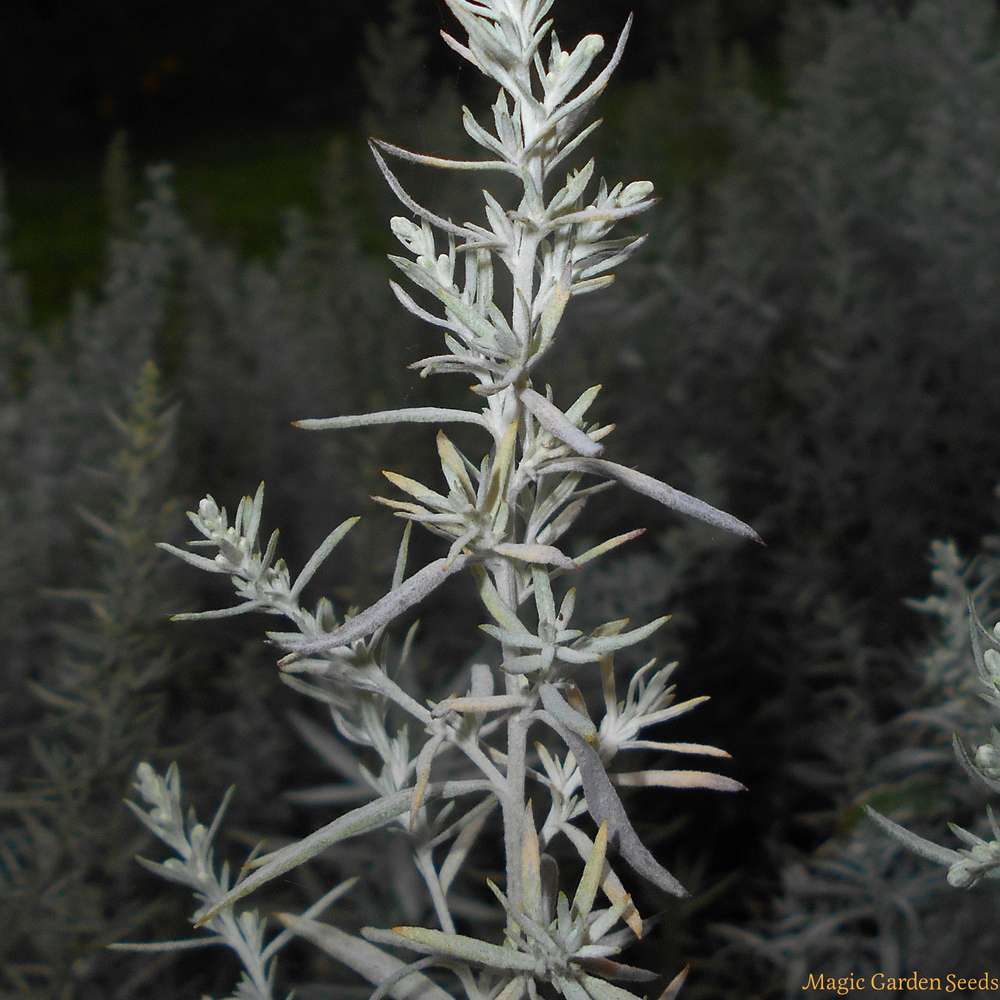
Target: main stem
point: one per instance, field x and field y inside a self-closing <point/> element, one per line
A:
<point x="509" y="410"/>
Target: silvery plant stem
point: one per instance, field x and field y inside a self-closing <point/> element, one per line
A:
<point x="504" y="520"/>
<point x="510" y="410"/>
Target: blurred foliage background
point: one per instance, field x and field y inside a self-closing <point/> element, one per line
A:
<point x="808" y="341"/>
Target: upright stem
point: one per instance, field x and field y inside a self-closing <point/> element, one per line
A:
<point x="523" y="270"/>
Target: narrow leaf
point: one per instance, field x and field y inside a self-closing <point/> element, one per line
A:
<point x="609" y="545"/>
<point x="443" y="163"/>
<point x="593" y="873"/>
<point x="417" y="490"/>
<point x="656" y="490"/>
<point x="453" y="466"/>
<point x="673" y="990"/>
<point x="239" y="609"/>
<point x="199" y="562"/>
<point x="184" y="945"/>
<point x="399" y="600"/>
<point x="473" y="822"/>
<point x="557" y="424"/>
<point x="410" y="415"/>
<point x="691" y="748"/>
<point x="677" y="779"/>
<point x="364" y="819"/>
<point x="531" y="867"/>
<point x="558" y="706"/>
<point x="917" y="845"/>
<point x="465" y="949"/>
<point x="416" y="209"/>
<point x="541" y="555"/>
<point x="364" y="958"/>
<point x="605" y="806"/>
<point x="425" y="760"/>
<point x="320" y="555"/>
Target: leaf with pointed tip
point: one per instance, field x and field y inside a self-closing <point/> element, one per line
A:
<point x="364" y="819"/>
<point x="531" y="867"/>
<point x="611" y="885"/>
<point x="321" y="554"/>
<point x="513" y="637"/>
<point x="441" y="162"/>
<point x="473" y="823"/>
<point x="552" y="314"/>
<point x="610" y="262"/>
<point x="604" y="805"/>
<point x="398" y="601"/>
<point x="609" y="545"/>
<point x="502" y="464"/>
<point x="557" y="706"/>
<point x="675" y="985"/>
<point x="596" y="214"/>
<point x="154" y="946"/>
<point x="593" y="873"/>
<point x="453" y="467"/>
<point x="673" y="711"/>
<point x="492" y="703"/>
<point x="598" y="989"/>
<point x="425" y="760"/>
<point x="410" y="415"/>
<point x="656" y="490"/>
<point x="572" y="146"/>
<point x="606" y="968"/>
<point x="479" y="135"/>
<point x="416" y="209"/>
<point x="558" y="424"/>
<point x="463" y="948"/>
<point x="502" y="614"/>
<point x="691" y="748"/>
<point x="541" y="555"/>
<point x="239" y="609"/>
<point x="581" y="103"/>
<point x="576" y="184"/>
<point x="199" y="562"/>
<point x="418" y="491"/>
<point x="592" y="649"/>
<point x="474" y="329"/>
<point x="677" y="779"/>
<point x="592" y="285"/>
<point x="917" y="845"/>
<point x="364" y="958"/>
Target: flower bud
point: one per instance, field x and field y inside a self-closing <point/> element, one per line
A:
<point x="962" y="875"/>
<point x="987" y="759"/>
<point x="635" y="192"/>
<point x="409" y="234"/>
<point x="992" y="660"/>
<point x="208" y="509"/>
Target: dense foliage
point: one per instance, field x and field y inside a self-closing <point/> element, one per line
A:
<point x="809" y="330"/>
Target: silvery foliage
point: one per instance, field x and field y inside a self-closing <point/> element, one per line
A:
<point x="193" y="866"/>
<point x="504" y="519"/>
<point x="873" y="218"/>
<point x="979" y="856"/>
<point x="864" y="902"/>
<point x="53" y="391"/>
<point x="91" y="707"/>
